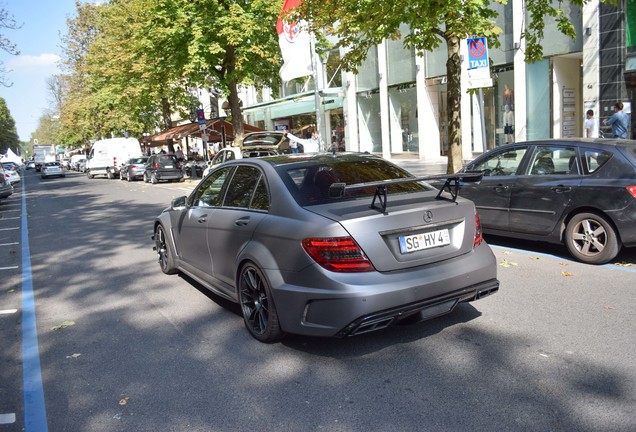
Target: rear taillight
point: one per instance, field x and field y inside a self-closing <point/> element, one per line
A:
<point x="178" y="165"/>
<point x="338" y="254"/>
<point x="479" y="236"/>
<point x="114" y="161"/>
<point x="632" y="190"/>
<point x="156" y="166"/>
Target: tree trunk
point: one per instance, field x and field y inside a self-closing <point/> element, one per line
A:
<point x="236" y="112"/>
<point x="453" y="105"/>
<point x="166" y="116"/>
<point x="233" y="98"/>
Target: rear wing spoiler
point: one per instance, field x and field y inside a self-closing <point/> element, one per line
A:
<point x="451" y="185"/>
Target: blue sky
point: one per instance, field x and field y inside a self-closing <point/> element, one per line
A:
<point x="43" y="21"/>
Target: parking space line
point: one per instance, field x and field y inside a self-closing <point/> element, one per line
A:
<point x="10" y="218"/>
<point x="8" y="311"/>
<point x="34" y="405"/>
<point x="9" y="229"/>
<point x="7" y="418"/>
<point x="9" y="244"/>
<point x="9" y="268"/>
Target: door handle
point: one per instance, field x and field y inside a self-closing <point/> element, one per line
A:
<point x="202" y="219"/>
<point x="242" y="221"/>
<point x="501" y="188"/>
<point x="561" y="189"/>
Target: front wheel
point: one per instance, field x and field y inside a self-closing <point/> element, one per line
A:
<point x="164" y="251"/>
<point x="257" y="305"/>
<point x="89" y="175"/>
<point x="591" y="239"/>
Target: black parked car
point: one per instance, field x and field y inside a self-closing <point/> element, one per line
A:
<point x="581" y="192"/>
<point x="163" y="167"/>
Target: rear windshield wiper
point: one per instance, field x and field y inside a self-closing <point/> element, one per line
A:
<point x="451" y="185"/>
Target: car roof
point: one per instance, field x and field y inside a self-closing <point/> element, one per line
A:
<point x="614" y="142"/>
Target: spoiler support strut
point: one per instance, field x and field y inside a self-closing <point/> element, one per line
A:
<point x="451" y="185"/>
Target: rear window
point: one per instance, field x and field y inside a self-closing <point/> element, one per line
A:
<point x="312" y="182"/>
<point x="166" y="160"/>
<point x="256" y="140"/>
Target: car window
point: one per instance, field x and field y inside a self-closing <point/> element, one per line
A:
<point x="242" y="186"/>
<point x="260" y="200"/>
<point x="313" y="181"/>
<point x="209" y="192"/>
<point x="501" y="163"/>
<point x="595" y="159"/>
<point x="551" y="160"/>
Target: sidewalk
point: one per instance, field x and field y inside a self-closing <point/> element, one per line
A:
<point x="420" y="167"/>
<point x="414" y="166"/>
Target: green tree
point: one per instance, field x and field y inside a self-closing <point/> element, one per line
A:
<point x="127" y="72"/>
<point x="361" y="24"/>
<point x="8" y="133"/>
<point x="228" y="44"/>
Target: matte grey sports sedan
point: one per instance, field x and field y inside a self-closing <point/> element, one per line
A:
<point x="328" y="244"/>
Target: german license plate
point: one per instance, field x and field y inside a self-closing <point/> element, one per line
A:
<point x="168" y="166"/>
<point x="417" y="242"/>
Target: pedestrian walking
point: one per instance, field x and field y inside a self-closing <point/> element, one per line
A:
<point x="619" y="121"/>
<point x="591" y="125"/>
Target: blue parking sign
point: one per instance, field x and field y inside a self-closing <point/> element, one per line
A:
<point x="478" y="53"/>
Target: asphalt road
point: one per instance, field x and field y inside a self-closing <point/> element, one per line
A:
<point x="123" y="347"/>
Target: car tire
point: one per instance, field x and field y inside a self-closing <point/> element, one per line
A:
<point x="146" y="179"/>
<point x="153" y="179"/>
<point x="591" y="239"/>
<point x="110" y="175"/>
<point x="257" y="305"/>
<point x="89" y="175"/>
<point x="164" y="251"/>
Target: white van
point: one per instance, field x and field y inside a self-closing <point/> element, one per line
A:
<point x="107" y="156"/>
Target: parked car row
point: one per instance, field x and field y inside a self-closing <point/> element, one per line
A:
<point x="11" y="172"/>
<point x="6" y="188"/>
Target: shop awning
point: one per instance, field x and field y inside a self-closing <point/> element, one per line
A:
<point x="212" y="128"/>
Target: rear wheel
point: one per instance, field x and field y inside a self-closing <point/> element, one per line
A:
<point x="146" y="178"/>
<point x="591" y="239"/>
<point x="110" y="175"/>
<point x="89" y="175"/>
<point x="164" y="251"/>
<point x="257" y="305"/>
<point x="129" y="178"/>
<point x="153" y="179"/>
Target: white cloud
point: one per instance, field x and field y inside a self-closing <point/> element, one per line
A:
<point x="23" y="62"/>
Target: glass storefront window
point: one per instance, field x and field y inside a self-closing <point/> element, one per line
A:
<point x="368" y="72"/>
<point x="332" y="68"/>
<point x="400" y="60"/>
<point x="369" y="123"/>
<point x="403" y="119"/>
<point x="504" y="108"/>
<point x="538" y="100"/>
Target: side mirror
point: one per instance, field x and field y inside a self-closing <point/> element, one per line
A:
<point x="178" y="203"/>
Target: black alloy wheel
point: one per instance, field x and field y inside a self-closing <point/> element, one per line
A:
<point x="591" y="239"/>
<point x="164" y="252"/>
<point x="259" y="312"/>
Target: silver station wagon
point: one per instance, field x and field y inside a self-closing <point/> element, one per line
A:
<point x="327" y="244"/>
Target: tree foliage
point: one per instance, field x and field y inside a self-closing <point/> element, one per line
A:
<point x="126" y="72"/>
<point x="8" y="132"/>
<point x="361" y="24"/>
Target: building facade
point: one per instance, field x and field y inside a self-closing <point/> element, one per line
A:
<point x="395" y="105"/>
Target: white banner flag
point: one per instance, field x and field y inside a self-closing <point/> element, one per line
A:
<point x="295" y="46"/>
